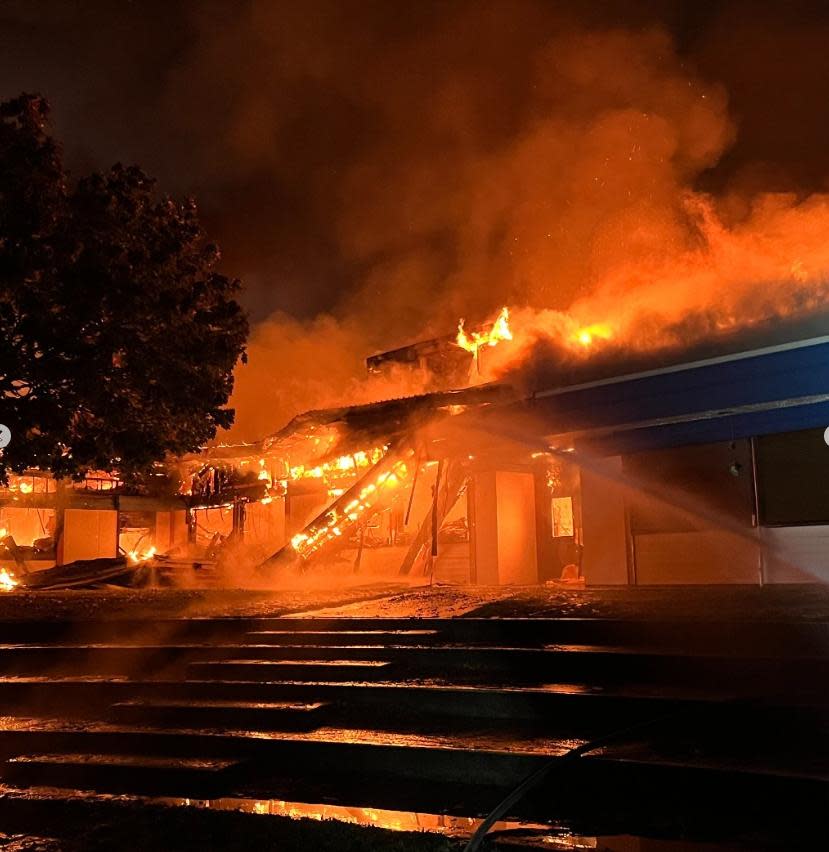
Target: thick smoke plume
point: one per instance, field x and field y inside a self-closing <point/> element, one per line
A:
<point x="376" y="171"/>
<point x="578" y="208"/>
<point x="294" y="366"/>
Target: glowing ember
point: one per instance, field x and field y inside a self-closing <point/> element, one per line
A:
<point x="7" y="581"/>
<point x="499" y="331"/>
<point x="344" y="465"/>
<point x="135" y="557"/>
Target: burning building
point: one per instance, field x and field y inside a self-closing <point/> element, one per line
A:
<point x="708" y="467"/>
<point x="47" y="523"/>
<point x="697" y="466"/>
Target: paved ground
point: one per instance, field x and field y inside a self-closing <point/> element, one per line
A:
<point x="396" y="600"/>
<point x="119" y="603"/>
<point x="749" y="603"/>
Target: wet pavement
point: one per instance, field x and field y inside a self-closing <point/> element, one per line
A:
<point x="424" y="724"/>
<point x="108" y="604"/>
<point x="805" y="602"/>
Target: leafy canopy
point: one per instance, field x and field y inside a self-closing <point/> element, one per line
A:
<point x="118" y="337"/>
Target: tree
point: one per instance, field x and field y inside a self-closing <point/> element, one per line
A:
<point x="119" y="335"/>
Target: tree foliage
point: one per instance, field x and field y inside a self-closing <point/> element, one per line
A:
<point x="118" y="336"/>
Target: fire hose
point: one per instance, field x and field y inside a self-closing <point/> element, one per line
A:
<point x="561" y="762"/>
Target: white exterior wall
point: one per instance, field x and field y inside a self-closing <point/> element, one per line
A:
<point x="696" y="557"/>
<point x="797" y="554"/>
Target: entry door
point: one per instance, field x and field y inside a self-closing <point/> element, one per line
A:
<point x="505" y="541"/>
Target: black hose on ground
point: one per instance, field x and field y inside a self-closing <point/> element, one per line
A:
<point x="559" y="762"/>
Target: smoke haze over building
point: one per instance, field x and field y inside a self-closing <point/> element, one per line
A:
<point x="373" y="172"/>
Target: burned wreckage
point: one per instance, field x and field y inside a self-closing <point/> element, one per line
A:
<point x="703" y="469"/>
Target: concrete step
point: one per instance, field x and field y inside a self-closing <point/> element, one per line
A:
<point x="764" y="676"/>
<point x="89" y="698"/>
<point x="336" y="638"/>
<point x="430" y="714"/>
<point x="496" y="758"/>
<point x="572" y="664"/>
<point x="788" y="817"/>
<point x="783" y="820"/>
<point x="485" y="758"/>
<point x="201" y="777"/>
<point x="249" y="715"/>
<point x="304" y="670"/>
<point x="112" y="659"/>
<point x="158" y="660"/>
<point x="739" y="636"/>
<point x="562" y="710"/>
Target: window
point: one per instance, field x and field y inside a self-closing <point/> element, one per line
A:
<point x="562" y="514"/>
<point x="793" y="478"/>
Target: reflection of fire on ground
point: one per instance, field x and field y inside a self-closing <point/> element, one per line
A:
<point x="452" y="826"/>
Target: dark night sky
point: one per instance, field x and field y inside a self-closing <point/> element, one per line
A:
<point x="264" y="110"/>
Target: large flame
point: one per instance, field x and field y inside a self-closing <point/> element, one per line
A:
<point x="571" y="333"/>
<point x="340" y="467"/>
<point x="499" y="331"/>
<point x="7" y="580"/>
<point x="565" y="329"/>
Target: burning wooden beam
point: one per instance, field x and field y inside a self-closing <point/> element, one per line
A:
<point x="368" y="495"/>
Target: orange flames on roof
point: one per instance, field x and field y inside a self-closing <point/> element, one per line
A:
<point x="571" y="333"/>
<point x="343" y="465"/>
<point x="499" y="331"/>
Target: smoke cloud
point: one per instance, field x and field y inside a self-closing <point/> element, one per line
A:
<point x="375" y="172"/>
<point x="582" y="198"/>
